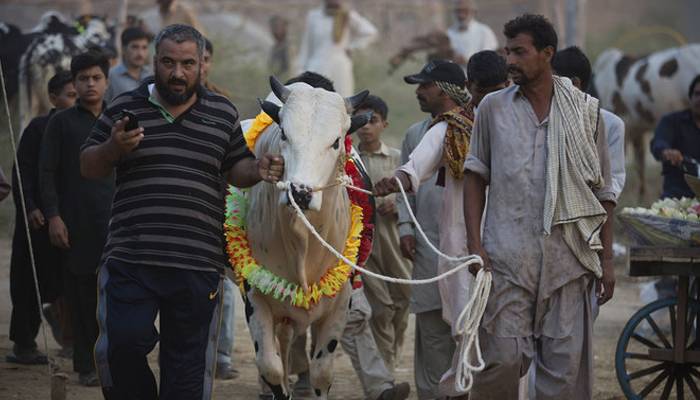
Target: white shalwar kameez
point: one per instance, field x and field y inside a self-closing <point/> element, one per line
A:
<point x="426" y="159"/>
<point x="475" y="38"/>
<point x="321" y="54"/>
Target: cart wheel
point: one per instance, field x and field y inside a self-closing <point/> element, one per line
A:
<point x="653" y="327"/>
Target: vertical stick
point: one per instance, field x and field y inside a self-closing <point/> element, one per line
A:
<point x="681" y="318"/>
<point x="58" y="386"/>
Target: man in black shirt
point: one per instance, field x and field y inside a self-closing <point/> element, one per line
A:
<point x="165" y="253"/>
<point x="77" y="208"/>
<point x="25" y="319"/>
<point x="676" y="144"/>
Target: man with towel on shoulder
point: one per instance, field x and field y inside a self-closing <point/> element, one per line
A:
<point x="541" y="148"/>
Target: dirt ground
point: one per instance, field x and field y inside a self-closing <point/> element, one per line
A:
<point x="24" y="382"/>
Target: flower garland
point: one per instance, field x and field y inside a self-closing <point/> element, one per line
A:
<point x="357" y="245"/>
<point x="364" y="201"/>
<point x="260" y="123"/>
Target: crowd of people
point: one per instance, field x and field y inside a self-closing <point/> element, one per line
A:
<point x="125" y="218"/>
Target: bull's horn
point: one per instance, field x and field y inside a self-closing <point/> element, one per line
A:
<point x="353" y="101"/>
<point x="358" y="121"/>
<point x="271" y="109"/>
<point x="281" y="91"/>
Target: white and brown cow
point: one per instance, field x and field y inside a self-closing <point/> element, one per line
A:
<point x="309" y="134"/>
<point x="642" y="90"/>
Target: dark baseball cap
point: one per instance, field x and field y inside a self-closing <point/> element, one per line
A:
<point x="439" y="70"/>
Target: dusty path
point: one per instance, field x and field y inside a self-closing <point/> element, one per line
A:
<point x="30" y="383"/>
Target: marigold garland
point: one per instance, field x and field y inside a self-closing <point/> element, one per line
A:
<point x="260" y="122"/>
<point x="247" y="269"/>
<point x="357" y="245"/>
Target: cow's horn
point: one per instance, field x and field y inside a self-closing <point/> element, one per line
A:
<point x="279" y="89"/>
<point x="271" y="109"/>
<point x="352" y="102"/>
<point x="358" y="121"/>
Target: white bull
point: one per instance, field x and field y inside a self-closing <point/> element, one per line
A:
<point x="642" y="90"/>
<point x="310" y="131"/>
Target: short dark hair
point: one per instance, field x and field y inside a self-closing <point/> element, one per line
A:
<point x="573" y="63"/>
<point x="537" y="26"/>
<point x="59" y="81"/>
<point x="314" y="80"/>
<point x="89" y="59"/>
<point x="209" y="46"/>
<point x="180" y="33"/>
<point x="131" y="34"/>
<point x="487" y="68"/>
<point x="695" y="81"/>
<point x="376" y="104"/>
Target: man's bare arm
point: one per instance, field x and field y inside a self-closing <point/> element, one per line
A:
<point x="99" y="160"/>
<point x="474" y="203"/>
<point x="249" y="171"/>
<point x="606" y="285"/>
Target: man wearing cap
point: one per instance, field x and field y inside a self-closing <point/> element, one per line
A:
<point x="467" y="35"/>
<point x="437" y="160"/>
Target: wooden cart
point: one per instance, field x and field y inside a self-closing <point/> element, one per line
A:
<point x="658" y="352"/>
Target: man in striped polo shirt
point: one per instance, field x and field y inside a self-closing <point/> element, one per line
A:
<point x="164" y="252"/>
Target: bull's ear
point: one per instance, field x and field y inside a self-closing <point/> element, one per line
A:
<point x="271" y="109"/>
<point x="358" y="121"/>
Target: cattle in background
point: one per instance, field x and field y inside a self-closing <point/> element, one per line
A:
<point x="14" y="43"/>
<point x="309" y="134"/>
<point x="642" y="90"/>
<point x="51" y="52"/>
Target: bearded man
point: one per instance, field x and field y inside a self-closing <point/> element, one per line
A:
<point x="164" y="253"/>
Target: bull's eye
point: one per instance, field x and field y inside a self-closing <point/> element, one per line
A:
<point x="336" y="144"/>
<point x="283" y="136"/>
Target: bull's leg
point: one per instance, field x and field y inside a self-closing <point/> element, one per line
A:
<point x="285" y="336"/>
<point x="268" y="360"/>
<point x="326" y="334"/>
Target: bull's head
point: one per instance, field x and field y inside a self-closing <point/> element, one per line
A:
<point x="313" y="125"/>
<point x="97" y="32"/>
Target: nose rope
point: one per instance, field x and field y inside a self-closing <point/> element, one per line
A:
<point x="469" y="318"/>
<point x="343" y="180"/>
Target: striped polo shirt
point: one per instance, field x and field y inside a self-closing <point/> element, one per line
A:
<point x="168" y="208"/>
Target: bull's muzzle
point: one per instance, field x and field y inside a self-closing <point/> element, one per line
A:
<point x="302" y="196"/>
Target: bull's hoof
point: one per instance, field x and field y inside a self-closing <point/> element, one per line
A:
<point x="302" y="389"/>
<point x="398" y="392"/>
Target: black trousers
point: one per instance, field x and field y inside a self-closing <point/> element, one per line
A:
<point x="26" y="318"/>
<point x="81" y="296"/>
<point x="131" y="296"/>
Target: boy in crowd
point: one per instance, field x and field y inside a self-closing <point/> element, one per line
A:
<point x="486" y="72"/>
<point x="134" y="66"/>
<point x="207" y="61"/>
<point x="389" y="301"/>
<point x="25" y="319"/>
<point x="78" y="209"/>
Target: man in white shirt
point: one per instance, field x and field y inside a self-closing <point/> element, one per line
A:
<point x="332" y="32"/>
<point x="467" y="35"/>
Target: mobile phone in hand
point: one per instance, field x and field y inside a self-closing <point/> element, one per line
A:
<point x="133" y="122"/>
